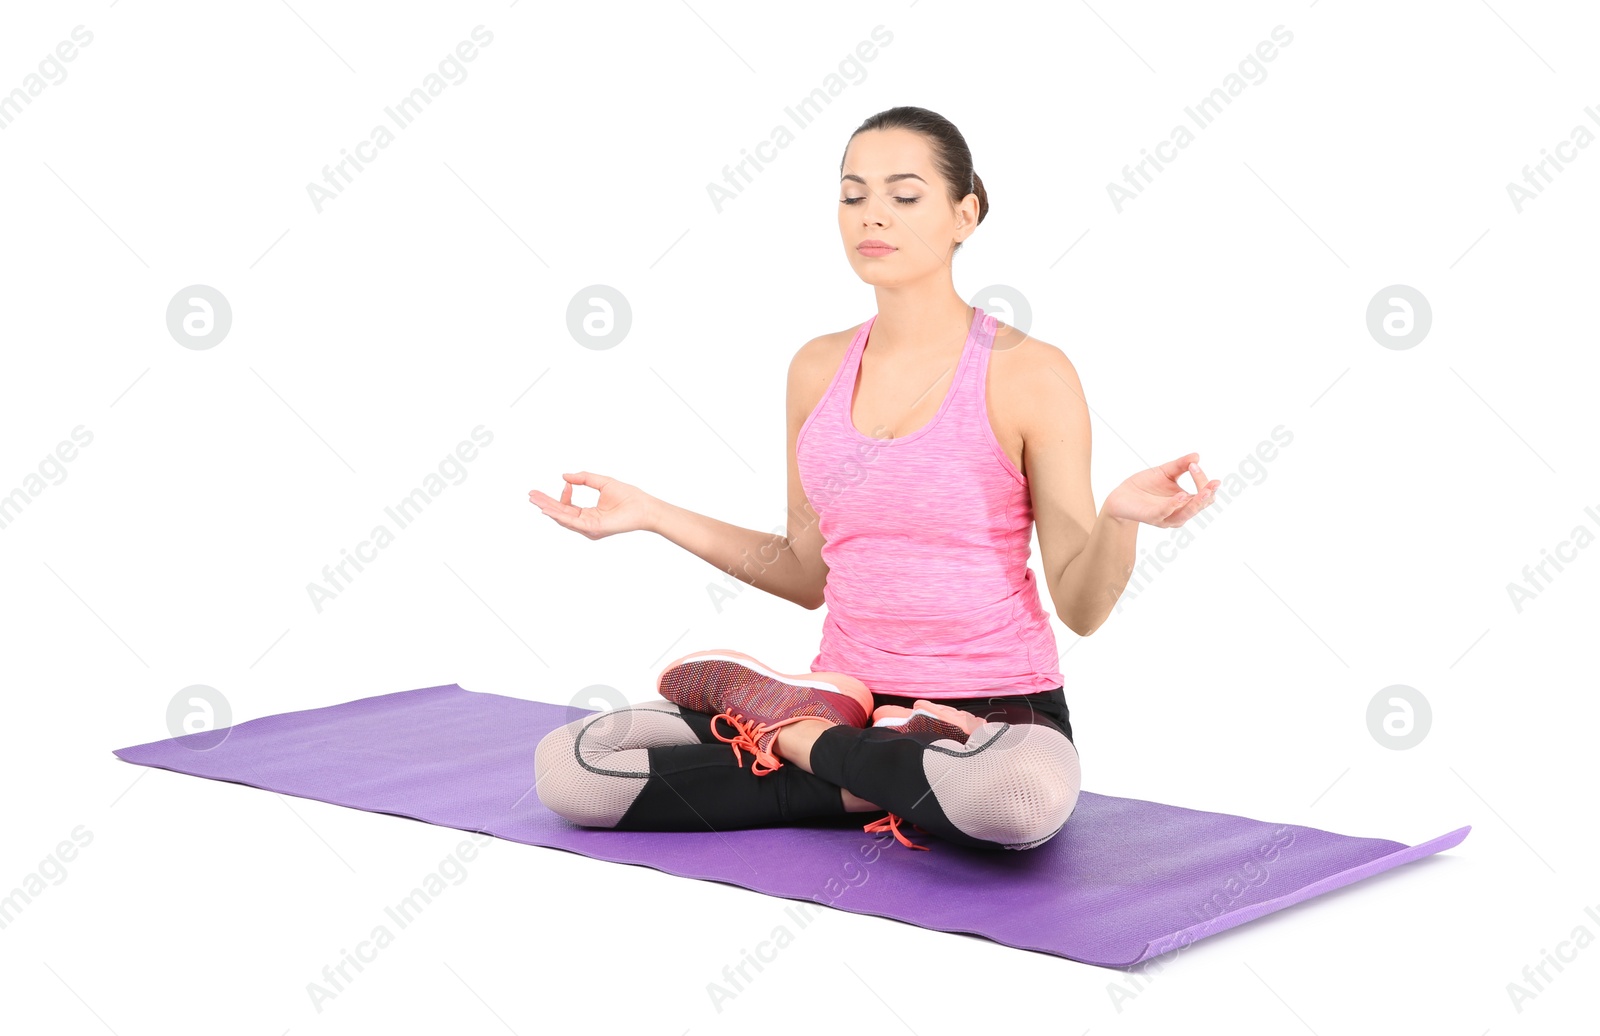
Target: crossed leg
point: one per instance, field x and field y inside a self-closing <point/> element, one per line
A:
<point x="1013" y="784"/>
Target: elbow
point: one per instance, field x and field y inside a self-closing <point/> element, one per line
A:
<point x="1081" y="626"/>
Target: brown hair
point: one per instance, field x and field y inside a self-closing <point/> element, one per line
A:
<point x="950" y="152"/>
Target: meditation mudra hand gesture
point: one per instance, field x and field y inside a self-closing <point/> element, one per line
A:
<point x="621" y="507"/>
<point x="935" y="696"/>
<point x="1153" y="496"/>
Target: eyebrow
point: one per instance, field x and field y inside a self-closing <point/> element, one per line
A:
<point x="887" y="179"/>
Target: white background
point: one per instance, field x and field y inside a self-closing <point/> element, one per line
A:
<point x="368" y="339"/>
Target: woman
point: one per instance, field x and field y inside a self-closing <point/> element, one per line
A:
<point x="935" y="697"/>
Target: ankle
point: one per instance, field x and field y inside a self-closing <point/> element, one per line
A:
<point x="854" y="803"/>
<point x="795" y="739"/>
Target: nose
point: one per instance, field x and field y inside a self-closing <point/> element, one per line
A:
<point x="874" y="209"/>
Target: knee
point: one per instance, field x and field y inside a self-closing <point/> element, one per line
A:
<point x="591" y="738"/>
<point x="1031" y="788"/>
<point x="1050" y="795"/>
<point x="567" y="787"/>
<point x="590" y="770"/>
<point x="558" y="773"/>
<point x="554" y="749"/>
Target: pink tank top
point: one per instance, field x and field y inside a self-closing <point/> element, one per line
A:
<point x="926" y="538"/>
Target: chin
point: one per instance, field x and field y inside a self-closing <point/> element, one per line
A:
<point x="869" y="270"/>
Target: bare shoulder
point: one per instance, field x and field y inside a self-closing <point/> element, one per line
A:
<point x="813" y="366"/>
<point x="1032" y="374"/>
<point x="825" y="350"/>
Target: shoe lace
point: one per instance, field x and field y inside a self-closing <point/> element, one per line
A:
<point x="891" y="822"/>
<point x="746" y="736"/>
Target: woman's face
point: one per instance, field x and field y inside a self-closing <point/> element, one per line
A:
<point x="891" y="192"/>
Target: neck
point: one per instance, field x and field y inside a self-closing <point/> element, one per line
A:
<point x="911" y="321"/>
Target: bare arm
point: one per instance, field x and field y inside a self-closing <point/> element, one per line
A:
<point x="787" y="565"/>
<point x="1088" y="555"/>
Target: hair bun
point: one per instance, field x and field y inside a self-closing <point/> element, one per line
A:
<point x="983" y="196"/>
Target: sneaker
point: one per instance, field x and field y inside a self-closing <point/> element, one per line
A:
<point x="755" y="701"/>
<point x="926" y="718"/>
<point x="891" y="823"/>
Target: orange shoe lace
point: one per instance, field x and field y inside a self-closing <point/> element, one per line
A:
<point x="891" y="823"/>
<point x="746" y="737"/>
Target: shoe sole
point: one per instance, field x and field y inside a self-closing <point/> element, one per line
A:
<point x="837" y="683"/>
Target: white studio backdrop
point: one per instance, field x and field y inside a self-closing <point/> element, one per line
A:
<point x="1380" y="248"/>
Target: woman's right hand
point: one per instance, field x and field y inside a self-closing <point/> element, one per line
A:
<point x="621" y="507"/>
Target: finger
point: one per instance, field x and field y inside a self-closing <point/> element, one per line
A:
<point x="1199" y="476"/>
<point x="567" y="518"/>
<point x="1189" y="510"/>
<point x="1173" y="468"/>
<point x="546" y="503"/>
<point x="566" y="493"/>
<point x="563" y="512"/>
<point x="543" y="502"/>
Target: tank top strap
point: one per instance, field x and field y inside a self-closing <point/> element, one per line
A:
<point x="967" y="396"/>
<point x="852" y="359"/>
<point x="969" y="401"/>
<point x="837" y="398"/>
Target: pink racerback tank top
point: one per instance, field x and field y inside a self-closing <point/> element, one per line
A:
<point x="926" y="538"/>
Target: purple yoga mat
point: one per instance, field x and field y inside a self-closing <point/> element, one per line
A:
<point x="1124" y="881"/>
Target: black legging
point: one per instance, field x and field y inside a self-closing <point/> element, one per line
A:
<point x="1012" y="785"/>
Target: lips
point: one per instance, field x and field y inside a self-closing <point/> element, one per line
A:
<point x="874" y="247"/>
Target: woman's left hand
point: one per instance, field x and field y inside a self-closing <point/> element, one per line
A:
<point x="1153" y="496"/>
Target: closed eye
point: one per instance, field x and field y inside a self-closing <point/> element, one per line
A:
<point x="852" y="201"/>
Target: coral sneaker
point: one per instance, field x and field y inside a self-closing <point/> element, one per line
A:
<point x="755" y="701"/>
<point x="926" y="718"/>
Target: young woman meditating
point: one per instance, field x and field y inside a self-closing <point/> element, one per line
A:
<point x="924" y="446"/>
